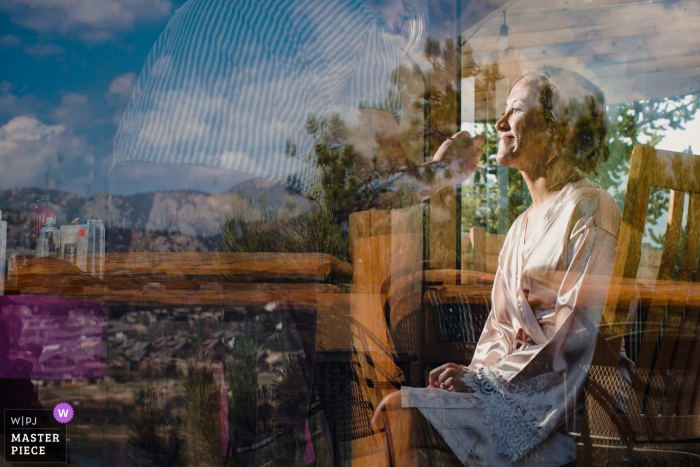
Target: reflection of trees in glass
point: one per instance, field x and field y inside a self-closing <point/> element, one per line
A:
<point x="155" y="439"/>
<point x="289" y="413"/>
<point x="242" y="383"/>
<point x="347" y="181"/>
<point x="160" y="438"/>
<point x="295" y="229"/>
<point x="480" y="207"/>
<point x="440" y="91"/>
<point x="350" y="182"/>
<point x="291" y="398"/>
<point x="203" y="424"/>
<point x="434" y="106"/>
<point x="266" y="422"/>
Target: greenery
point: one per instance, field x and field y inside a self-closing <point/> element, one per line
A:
<point x="643" y="122"/>
<point x="349" y="182"/>
<point x="291" y="396"/>
<point x="203" y="425"/>
<point x="155" y="439"/>
<point x="315" y="230"/>
<point x="266" y="422"/>
<point x="242" y="383"/>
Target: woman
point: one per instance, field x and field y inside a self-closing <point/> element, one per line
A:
<point x="516" y="399"/>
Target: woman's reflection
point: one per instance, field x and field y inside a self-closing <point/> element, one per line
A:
<point x="511" y="403"/>
<point x="228" y="85"/>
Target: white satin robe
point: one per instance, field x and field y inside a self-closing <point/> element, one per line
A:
<point x="530" y="363"/>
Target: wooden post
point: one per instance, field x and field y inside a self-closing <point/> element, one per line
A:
<point x="477" y="235"/>
<point x="382" y="243"/>
<point x="443" y="229"/>
<point x="386" y="253"/>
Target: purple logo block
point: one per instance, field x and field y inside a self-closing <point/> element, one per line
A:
<point x="63" y="412"/>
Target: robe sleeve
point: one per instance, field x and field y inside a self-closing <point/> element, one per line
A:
<point x="498" y="336"/>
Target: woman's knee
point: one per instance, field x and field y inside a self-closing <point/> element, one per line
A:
<point x="390" y="403"/>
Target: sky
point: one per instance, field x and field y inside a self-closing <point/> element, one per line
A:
<point x="680" y="140"/>
<point x="67" y="70"/>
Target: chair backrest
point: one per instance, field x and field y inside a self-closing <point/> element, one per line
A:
<point x="665" y="379"/>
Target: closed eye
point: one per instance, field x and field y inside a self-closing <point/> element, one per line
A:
<point x="513" y="110"/>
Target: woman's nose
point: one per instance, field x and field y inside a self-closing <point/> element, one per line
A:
<point x="502" y="123"/>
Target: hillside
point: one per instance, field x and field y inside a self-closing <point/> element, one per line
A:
<point x="184" y="220"/>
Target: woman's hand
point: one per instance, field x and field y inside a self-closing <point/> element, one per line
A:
<point x="449" y="378"/>
<point x="459" y="157"/>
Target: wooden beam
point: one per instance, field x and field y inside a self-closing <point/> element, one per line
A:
<point x="544" y="21"/>
<point x="689" y="85"/>
<point x="544" y="5"/>
<point x="487" y="11"/>
<point x="487" y="41"/>
<point x="655" y="45"/>
<point x="656" y="79"/>
<point x="602" y="71"/>
<point x="655" y="85"/>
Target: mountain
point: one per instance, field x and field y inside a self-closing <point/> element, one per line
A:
<point x="170" y="221"/>
<point x="185" y="220"/>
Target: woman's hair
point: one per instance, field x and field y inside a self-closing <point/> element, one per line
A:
<point x="414" y="20"/>
<point x="573" y="110"/>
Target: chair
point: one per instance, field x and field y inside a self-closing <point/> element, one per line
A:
<point x="350" y="382"/>
<point x="454" y="319"/>
<point x="434" y="324"/>
<point x="663" y="405"/>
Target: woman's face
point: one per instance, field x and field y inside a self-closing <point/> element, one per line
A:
<point x="521" y="142"/>
<point x="390" y="10"/>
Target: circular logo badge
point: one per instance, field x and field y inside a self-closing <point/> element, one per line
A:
<point x="63" y="412"/>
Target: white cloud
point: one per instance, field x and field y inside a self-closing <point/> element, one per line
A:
<point x="74" y="98"/>
<point x="119" y="93"/>
<point x="11" y="104"/>
<point x="91" y="20"/>
<point x="26" y="128"/>
<point x="75" y="111"/>
<point x="228" y="159"/>
<point x="33" y="154"/>
<point x="44" y="49"/>
<point x="122" y="85"/>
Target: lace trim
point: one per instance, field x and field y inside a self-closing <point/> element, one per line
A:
<point x="515" y="426"/>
